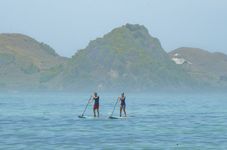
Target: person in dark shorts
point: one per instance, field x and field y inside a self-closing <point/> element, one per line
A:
<point x="123" y="104"/>
<point x="95" y="98"/>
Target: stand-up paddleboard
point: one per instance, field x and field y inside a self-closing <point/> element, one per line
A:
<point x="85" y="117"/>
<point x="91" y="117"/>
<point x="112" y="117"/>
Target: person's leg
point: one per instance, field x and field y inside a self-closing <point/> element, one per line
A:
<point x="98" y="112"/>
<point x="94" y="112"/>
<point x="120" y="110"/>
<point x="124" y="111"/>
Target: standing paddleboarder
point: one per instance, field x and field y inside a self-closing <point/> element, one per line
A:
<point x="123" y="104"/>
<point x="95" y="98"/>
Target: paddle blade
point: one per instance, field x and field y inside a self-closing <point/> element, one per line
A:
<point x="111" y="117"/>
<point x="81" y="116"/>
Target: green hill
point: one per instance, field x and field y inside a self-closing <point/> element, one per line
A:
<point x="26" y="63"/>
<point x="126" y="58"/>
<point x="207" y="67"/>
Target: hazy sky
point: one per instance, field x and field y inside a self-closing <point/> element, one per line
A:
<point x="68" y="25"/>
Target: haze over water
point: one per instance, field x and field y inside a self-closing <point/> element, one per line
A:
<point x="68" y="26"/>
<point x="155" y="121"/>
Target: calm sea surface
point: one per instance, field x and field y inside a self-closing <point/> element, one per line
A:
<point x="43" y="121"/>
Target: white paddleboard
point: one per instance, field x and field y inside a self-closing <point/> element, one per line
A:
<point x="88" y="117"/>
<point x="114" y="117"/>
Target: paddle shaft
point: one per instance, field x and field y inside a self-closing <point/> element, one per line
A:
<point x="114" y="108"/>
<point x="86" y="107"/>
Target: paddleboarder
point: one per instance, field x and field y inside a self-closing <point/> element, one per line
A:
<point x="123" y="104"/>
<point x="95" y="98"/>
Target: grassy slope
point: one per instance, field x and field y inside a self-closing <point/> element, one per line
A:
<point x="206" y="66"/>
<point x="25" y="62"/>
<point x="127" y="57"/>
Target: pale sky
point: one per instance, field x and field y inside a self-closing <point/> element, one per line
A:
<point x="69" y="25"/>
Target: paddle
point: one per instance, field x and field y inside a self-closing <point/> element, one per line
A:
<point x="82" y="116"/>
<point x="111" y="116"/>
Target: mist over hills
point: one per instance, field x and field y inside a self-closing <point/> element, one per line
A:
<point x="127" y="58"/>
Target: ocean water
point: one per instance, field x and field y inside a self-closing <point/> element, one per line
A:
<point x="178" y="121"/>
